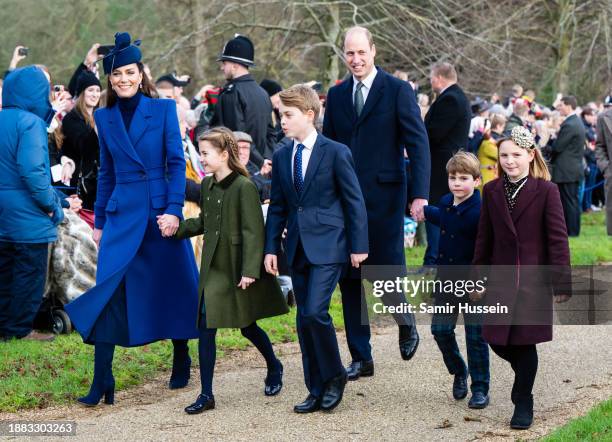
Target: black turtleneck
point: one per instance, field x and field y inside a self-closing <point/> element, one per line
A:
<point x="127" y="107"/>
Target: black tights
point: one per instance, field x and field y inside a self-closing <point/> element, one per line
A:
<point x="524" y="362"/>
<point x="208" y="351"/>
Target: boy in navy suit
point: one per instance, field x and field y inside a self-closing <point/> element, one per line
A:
<point x="316" y="196"/>
<point x="457" y="216"/>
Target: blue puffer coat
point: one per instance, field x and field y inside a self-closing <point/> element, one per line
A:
<point x="26" y="195"/>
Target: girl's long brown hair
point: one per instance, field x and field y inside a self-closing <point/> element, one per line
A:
<point x="147" y="88"/>
<point x="81" y="109"/>
<point x="224" y="140"/>
<point x="537" y="168"/>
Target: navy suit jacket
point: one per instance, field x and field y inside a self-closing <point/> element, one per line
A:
<point x="329" y="217"/>
<point x="390" y="124"/>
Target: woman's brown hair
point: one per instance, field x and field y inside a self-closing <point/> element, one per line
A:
<point x="224" y="140"/>
<point x="145" y="87"/>
<point x="81" y="109"/>
<point x="537" y="168"/>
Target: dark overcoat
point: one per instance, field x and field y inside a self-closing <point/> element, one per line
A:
<point x="528" y="252"/>
<point x="231" y="221"/>
<point x="389" y="125"/>
<point x="567" y="151"/>
<point x="448" y="126"/>
<point x="142" y="175"/>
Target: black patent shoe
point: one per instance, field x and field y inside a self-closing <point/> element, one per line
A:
<point x="274" y="381"/>
<point x="359" y="369"/>
<point x="201" y="404"/>
<point x="408" y="341"/>
<point x="310" y="405"/>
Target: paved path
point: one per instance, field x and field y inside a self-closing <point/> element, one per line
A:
<point x="403" y="401"/>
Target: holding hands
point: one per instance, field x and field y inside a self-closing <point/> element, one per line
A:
<point x="168" y="224"/>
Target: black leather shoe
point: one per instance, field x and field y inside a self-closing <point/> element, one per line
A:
<point x="334" y="390"/>
<point x="358" y="369"/>
<point x="478" y="400"/>
<point x="460" y="388"/>
<point x="408" y="341"/>
<point x="523" y="413"/>
<point x="201" y="404"/>
<point x="310" y="405"/>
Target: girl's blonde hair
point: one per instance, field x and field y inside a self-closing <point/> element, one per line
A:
<point x="224" y="140"/>
<point x="537" y="168"/>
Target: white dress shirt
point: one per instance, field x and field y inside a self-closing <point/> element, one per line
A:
<point x="367" y="85"/>
<point x="308" y="143"/>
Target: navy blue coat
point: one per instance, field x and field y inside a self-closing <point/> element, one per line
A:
<point x="458" y="228"/>
<point x="390" y="124"/>
<point x="329" y="217"/>
<point x="142" y="175"/>
<point x="26" y="195"/>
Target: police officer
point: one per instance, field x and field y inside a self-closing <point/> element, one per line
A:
<point x="243" y="105"/>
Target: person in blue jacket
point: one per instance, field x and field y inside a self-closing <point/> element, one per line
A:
<point x="146" y="286"/>
<point x="30" y="209"/>
<point x="457" y="215"/>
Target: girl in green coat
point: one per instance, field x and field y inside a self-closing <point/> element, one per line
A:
<point x="234" y="290"/>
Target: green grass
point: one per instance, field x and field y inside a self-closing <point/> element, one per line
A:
<point x="594" y="426"/>
<point x="593" y="246"/>
<point x="34" y="374"/>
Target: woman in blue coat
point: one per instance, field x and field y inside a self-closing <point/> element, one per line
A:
<point x="146" y="286"/>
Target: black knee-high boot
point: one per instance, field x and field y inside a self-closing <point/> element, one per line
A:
<point x="181" y="364"/>
<point x="103" y="382"/>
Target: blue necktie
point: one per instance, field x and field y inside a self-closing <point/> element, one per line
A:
<point x="298" y="178"/>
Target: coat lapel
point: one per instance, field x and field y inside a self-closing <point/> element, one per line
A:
<point x="318" y="151"/>
<point x="120" y="135"/>
<point x="526" y="197"/>
<point x="140" y="122"/>
<point x="286" y="170"/>
<point x="499" y="199"/>
<point x="347" y="99"/>
<point x="374" y="95"/>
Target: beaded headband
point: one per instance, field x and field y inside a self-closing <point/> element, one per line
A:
<point x="522" y="137"/>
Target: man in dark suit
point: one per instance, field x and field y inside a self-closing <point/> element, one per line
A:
<point x="377" y="116"/>
<point x="448" y="127"/>
<point x="316" y="195"/>
<point x="566" y="162"/>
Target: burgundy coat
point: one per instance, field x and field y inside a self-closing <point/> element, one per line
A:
<point x="533" y="235"/>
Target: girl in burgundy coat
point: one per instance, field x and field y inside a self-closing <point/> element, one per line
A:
<point x="521" y="227"/>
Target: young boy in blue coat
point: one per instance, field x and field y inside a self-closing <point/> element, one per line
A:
<point x="457" y="215"/>
<point x="316" y="196"/>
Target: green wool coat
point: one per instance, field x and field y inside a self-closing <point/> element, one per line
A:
<point x="231" y="221"/>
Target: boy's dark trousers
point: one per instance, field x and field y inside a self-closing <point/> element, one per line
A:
<point x="23" y="271"/>
<point x="313" y="286"/>
<point x="443" y="330"/>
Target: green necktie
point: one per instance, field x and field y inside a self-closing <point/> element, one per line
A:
<point x="358" y="99"/>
